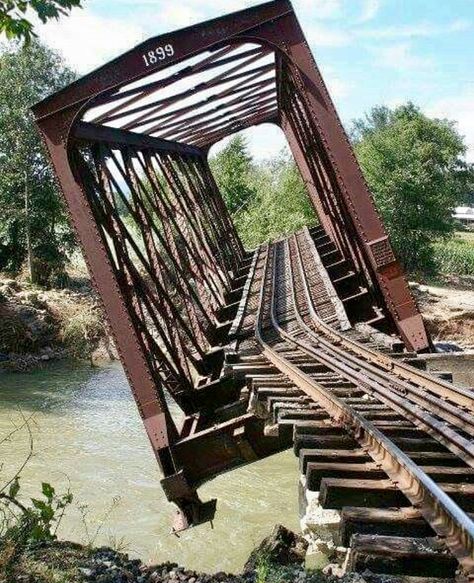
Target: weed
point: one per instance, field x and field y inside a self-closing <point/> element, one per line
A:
<point x="118" y="544"/>
<point x="262" y="568"/>
<point x="23" y="524"/>
<point x="83" y="328"/>
<point x="91" y="534"/>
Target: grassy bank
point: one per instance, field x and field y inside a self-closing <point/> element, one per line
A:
<point x="30" y="551"/>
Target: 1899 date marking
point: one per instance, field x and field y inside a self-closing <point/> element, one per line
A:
<point x="158" y="54"/>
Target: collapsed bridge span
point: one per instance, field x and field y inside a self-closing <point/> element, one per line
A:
<point x="195" y="316"/>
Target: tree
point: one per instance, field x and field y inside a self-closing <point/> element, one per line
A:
<point x="414" y="166"/>
<point x="33" y="217"/>
<point x="267" y="199"/>
<point x="281" y="205"/>
<point x="232" y="168"/>
<point x="13" y="21"/>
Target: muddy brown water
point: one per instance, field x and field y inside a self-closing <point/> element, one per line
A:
<point x="87" y="432"/>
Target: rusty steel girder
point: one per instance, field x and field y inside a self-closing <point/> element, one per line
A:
<point x="129" y="143"/>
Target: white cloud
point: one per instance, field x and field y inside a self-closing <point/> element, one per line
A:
<point x="87" y="41"/>
<point x="323" y="36"/>
<point x="401" y="58"/>
<point x="180" y="15"/>
<point x="320" y="9"/>
<point x="337" y="87"/>
<point x="264" y="141"/>
<point x="370" y="9"/>
<point x="422" y="29"/>
<point x="461" y="109"/>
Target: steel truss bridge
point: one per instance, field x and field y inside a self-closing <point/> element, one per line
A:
<point x="311" y="341"/>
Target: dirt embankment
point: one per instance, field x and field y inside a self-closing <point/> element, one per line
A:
<point x="37" y="326"/>
<point x="278" y="559"/>
<point x="448" y="310"/>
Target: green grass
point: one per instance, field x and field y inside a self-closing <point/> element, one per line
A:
<point x="456" y="256"/>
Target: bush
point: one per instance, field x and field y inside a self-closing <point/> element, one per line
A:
<point x="266" y="199"/>
<point x="83" y="329"/>
<point x="415" y="168"/>
<point x="14" y="335"/>
<point x="23" y="526"/>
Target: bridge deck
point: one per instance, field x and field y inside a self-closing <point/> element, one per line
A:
<point x="375" y="435"/>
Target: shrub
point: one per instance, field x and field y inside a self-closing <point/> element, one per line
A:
<point x="83" y="329"/>
<point x="14" y="335"/>
<point x="22" y="526"/>
<point x="415" y="167"/>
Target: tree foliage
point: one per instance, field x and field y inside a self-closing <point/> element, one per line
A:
<point x="415" y="169"/>
<point x="281" y="205"/>
<point x="233" y="169"/>
<point x="13" y="15"/>
<point x="27" y="75"/>
<point x="267" y="199"/>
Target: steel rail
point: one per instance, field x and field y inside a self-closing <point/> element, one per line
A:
<point x="462" y="420"/>
<point x="335" y="359"/>
<point x="443" y="514"/>
<point x="463" y="397"/>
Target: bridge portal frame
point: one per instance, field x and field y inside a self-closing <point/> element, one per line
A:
<point x="322" y="152"/>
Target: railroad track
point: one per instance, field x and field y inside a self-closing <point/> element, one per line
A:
<point x="388" y="445"/>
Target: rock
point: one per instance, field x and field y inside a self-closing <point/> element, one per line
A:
<point x="333" y="569"/>
<point x="282" y="547"/>
<point x="12" y="283"/>
<point x="86" y="572"/>
<point x="28" y="297"/>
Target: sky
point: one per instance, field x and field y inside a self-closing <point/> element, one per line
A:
<point x="370" y="52"/>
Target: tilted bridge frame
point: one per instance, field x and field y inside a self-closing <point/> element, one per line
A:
<point x="169" y="299"/>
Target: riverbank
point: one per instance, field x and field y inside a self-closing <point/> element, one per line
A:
<point x="38" y="326"/>
<point x="279" y="558"/>
<point x="447" y="306"/>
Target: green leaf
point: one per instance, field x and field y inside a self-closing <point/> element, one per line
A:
<point x="14" y="488"/>
<point x="39" y="504"/>
<point x="47" y="514"/>
<point x="47" y="490"/>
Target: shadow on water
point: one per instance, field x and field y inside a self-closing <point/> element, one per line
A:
<point x="87" y="431"/>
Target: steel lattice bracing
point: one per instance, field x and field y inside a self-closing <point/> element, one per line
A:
<point x="129" y="143"/>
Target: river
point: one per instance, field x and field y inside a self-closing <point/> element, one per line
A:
<point x="87" y="432"/>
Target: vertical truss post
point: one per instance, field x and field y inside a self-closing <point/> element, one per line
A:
<point x="356" y="202"/>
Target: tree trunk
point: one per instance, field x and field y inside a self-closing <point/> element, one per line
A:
<point x="29" y="249"/>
